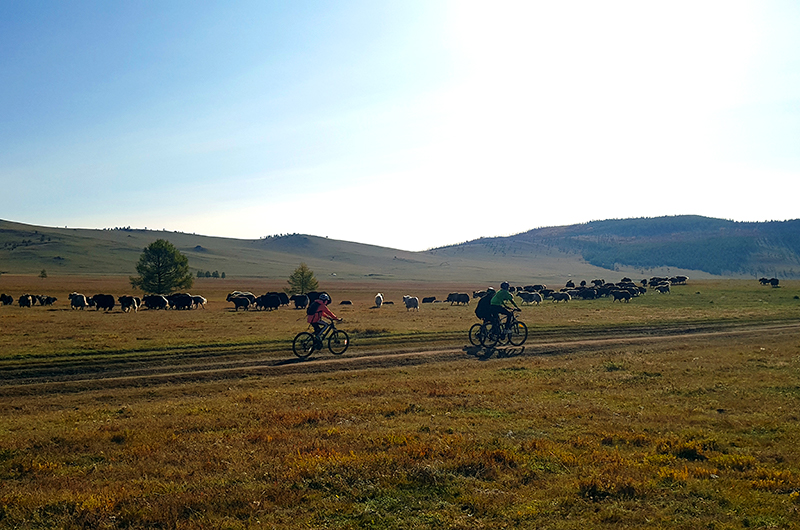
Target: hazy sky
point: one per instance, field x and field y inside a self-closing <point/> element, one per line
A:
<point x="408" y="124"/>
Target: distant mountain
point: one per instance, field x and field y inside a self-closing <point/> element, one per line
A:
<point x="692" y="245"/>
<point x="690" y="242"/>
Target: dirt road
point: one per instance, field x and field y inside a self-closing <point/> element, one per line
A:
<point x="26" y="377"/>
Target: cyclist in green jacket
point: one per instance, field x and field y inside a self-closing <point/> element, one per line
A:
<point x="499" y="306"/>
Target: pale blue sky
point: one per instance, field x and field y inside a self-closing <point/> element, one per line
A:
<point x="396" y="122"/>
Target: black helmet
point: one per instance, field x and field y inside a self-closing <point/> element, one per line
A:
<point x="504" y="286"/>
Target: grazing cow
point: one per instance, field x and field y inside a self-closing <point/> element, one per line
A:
<point x="78" y="301"/>
<point x="250" y="296"/>
<point x="47" y="300"/>
<point x="774" y="282"/>
<point x="106" y="302"/>
<point x="546" y="293"/>
<point x="155" y="301"/>
<point x="6" y="299"/>
<point x="458" y="298"/>
<point x="530" y="298"/>
<point x="587" y="294"/>
<point x="621" y="295"/>
<point x="283" y="298"/>
<point x="345" y="302"/>
<point x="763" y="281"/>
<point x="570" y="284"/>
<point x="378" y="299"/>
<point x="198" y="301"/>
<point x="662" y="288"/>
<point x="429" y="300"/>
<point x="411" y="302"/>
<point x="25" y="300"/>
<point x="127" y="302"/>
<point x="560" y="296"/>
<point x="180" y="301"/>
<point x="300" y="301"/>
<point x="267" y="301"/>
<point x="239" y="301"/>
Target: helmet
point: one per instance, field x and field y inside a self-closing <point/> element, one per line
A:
<point x="504" y="285"/>
<point x="324" y="297"/>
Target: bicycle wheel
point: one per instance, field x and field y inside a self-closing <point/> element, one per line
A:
<point x="475" y="334"/>
<point x="490" y="334"/>
<point x="338" y="342"/>
<point x="519" y="334"/>
<point x="303" y="344"/>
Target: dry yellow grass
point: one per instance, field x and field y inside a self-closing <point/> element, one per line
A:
<point x="693" y="432"/>
<point x="682" y="435"/>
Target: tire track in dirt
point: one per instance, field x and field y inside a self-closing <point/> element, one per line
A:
<point x="42" y="379"/>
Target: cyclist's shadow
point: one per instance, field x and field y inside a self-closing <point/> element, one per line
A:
<point x="484" y="354"/>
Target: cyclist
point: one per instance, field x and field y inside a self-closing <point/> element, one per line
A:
<point x="484" y="309"/>
<point x="499" y="307"/>
<point x="318" y="309"/>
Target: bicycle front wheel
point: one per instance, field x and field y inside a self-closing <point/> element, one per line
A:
<point x="519" y="334"/>
<point x="475" y="334"/>
<point x="338" y="342"/>
<point x="303" y="344"/>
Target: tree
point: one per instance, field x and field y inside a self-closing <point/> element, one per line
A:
<point x="162" y="269"/>
<point x="302" y="280"/>
<point x="43" y="274"/>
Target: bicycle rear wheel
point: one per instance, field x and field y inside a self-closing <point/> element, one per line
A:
<point x="303" y="344"/>
<point x="338" y="342"/>
<point x="519" y="334"/>
<point x="490" y="334"/>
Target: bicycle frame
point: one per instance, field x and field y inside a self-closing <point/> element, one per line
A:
<point x="329" y="326"/>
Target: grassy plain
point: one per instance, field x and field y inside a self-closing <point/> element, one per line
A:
<point x="691" y="432"/>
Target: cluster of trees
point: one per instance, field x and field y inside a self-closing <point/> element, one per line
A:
<point x="209" y="274"/>
<point x="278" y="236"/>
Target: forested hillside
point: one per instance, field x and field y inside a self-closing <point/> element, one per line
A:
<point x="715" y="246"/>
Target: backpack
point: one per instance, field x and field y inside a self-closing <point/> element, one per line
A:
<point x="483" y="311"/>
<point x="313" y="307"/>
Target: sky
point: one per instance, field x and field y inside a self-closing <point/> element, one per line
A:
<point x="409" y="124"/>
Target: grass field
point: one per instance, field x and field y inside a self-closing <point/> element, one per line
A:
<point x="675" y="431"/>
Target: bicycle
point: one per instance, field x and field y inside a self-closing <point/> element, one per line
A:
<point x="305" y="343"/>
<point x="513" y="332"/>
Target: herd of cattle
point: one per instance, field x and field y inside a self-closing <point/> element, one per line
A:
<point x="622" y="291"/>
<point x="107" y="302"/>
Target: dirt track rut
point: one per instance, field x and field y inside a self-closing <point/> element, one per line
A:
<point x="32" y="378"/>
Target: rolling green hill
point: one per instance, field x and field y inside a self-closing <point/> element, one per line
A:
<point x="691" y="245"/>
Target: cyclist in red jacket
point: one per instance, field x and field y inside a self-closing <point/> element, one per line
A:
<point x="317" y="310"/>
